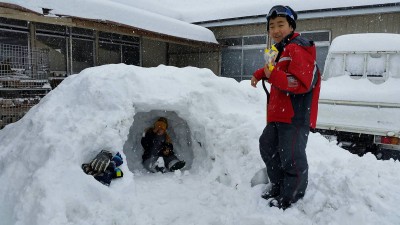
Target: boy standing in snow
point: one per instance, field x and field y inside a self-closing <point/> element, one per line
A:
<point x="292" y="108"/>
<point x="157" y="143"/>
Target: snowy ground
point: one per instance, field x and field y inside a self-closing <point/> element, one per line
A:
<point x="215" y="125"/>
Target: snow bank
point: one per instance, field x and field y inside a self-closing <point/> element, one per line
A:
<point x="42" y="153"/>
<point x="108" y="106"/>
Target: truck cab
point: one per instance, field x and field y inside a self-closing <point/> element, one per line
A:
<point x="359" y="103"/>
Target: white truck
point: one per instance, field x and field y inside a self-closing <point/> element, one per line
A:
<point x="359" y="104"/>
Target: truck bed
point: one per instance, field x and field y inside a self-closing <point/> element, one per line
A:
<point x="359" y="117"/>
<point x="360" y="106"/>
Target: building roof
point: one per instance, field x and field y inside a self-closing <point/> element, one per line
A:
<point x="105" y="11"/>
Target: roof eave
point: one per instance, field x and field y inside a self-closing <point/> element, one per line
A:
<point x="103" y="25"/>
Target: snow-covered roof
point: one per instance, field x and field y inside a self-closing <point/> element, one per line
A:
<point x="366" y="42"/>
<point x="105" y="10"/>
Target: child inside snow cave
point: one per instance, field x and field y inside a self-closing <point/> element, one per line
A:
<point x="157" y="143"/>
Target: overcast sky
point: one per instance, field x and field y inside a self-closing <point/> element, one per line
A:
<point x="204" y="10"/>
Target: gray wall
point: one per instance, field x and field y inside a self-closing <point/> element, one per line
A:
<point x="156" y="52"/>
<point x="202" y="57"/>
<point x="153" y="53"/>
<point x="372" y="23"/>
<point x="237" y="31"/>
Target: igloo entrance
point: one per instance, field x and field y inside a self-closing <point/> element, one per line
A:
<point x="178" y="130"/>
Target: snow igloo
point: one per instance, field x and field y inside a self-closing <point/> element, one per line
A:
<point x="205" y="115"/>
<point x="213" y="124"/>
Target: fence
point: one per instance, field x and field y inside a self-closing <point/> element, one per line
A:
<point x="23" y="80"/>
<point x="23" y="62"/>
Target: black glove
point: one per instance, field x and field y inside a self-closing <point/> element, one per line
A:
<point x="167" y="149"/>
<point x="104" y="177"/>
<point x="101" y="161"/>
<point x="87" y="169"/>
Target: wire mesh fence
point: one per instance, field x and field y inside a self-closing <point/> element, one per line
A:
<point x="23" y="80"/>
<point x="13" y="110"/>
<point x="23" y="62"/>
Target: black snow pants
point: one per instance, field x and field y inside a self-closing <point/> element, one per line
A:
<point x="282" y="147"/>
<point x="153" y="145"/>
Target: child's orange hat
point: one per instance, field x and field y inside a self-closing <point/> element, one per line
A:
<point x="161" y="123"/>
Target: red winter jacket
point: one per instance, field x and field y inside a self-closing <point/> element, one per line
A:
<point x="295" y="83"/>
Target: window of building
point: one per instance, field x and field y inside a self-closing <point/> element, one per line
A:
<point x="82" y="33"/>
<point x="13" y="32"/>
<point x="254" y="40"/>
<point x="231" y="41"/>
<point x="322" y="40"/>
<point x="42" y="28"/>
<point x="109" y="53"/>
<point x="129" y="39"/>
<point x="71" y="49"/>
<point x="14" y="23"/>
<point x="253" y="59"/>
<point x="317" y="36"/>
<point x="82" y="54"/>
<point x="14" y="42"/>
<point x="115" y="48"/>
<point x="130" y="55"/>
<point x="231" y="65"/>
<point x="241" y="56"/>
<point x="13" y="37"/>
<point x="54" y="38"/>
<point x="82" y="49"/>
<point x="57" y="47"/>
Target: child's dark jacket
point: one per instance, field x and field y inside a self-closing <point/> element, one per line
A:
<point x="154" y="144"/>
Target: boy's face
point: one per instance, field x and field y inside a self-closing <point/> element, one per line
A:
<point x="279" y="28"/>
<point x="159" y="131"/>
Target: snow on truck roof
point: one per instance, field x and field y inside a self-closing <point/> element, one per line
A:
<point x="343" y="74"/>
<point x="366" y="42"/>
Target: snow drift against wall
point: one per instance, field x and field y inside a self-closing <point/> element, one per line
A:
<point x="107" y="107"/>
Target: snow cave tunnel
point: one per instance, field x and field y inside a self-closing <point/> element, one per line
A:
<point x="178" y="130"/>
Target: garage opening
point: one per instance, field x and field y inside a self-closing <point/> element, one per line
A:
<point x="178" y="130"/>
